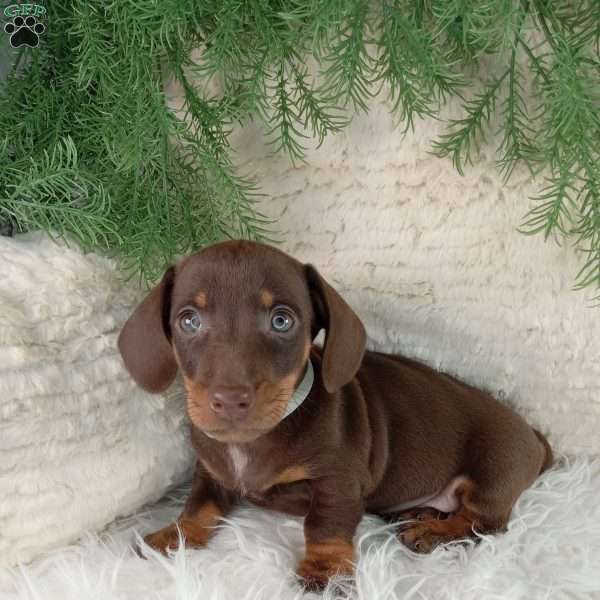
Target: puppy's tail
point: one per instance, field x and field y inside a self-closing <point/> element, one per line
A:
<point x="549" y="457"/>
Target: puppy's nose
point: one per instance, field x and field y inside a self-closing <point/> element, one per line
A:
<point x="231" y="402"/>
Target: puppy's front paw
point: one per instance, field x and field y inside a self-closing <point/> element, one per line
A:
<point x="162" y="540"/>
<point x="315" y="574"/>
<point x="196" y="530"/>
<point x="325" y="560"/>
<point x="169" y="537"/>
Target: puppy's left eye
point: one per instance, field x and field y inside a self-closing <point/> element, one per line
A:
<point x="281" y="321"/>
<point x="190" y="321"/>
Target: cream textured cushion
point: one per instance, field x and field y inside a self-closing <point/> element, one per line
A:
<point x="79" y="443"/>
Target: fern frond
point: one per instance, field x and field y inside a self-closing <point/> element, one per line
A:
<point x="463" y="136"/>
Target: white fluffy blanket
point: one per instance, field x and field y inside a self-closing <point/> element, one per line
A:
<point x="551" y="551"/>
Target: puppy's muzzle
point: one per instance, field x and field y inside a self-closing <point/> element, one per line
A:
<point x="232" y="403"/>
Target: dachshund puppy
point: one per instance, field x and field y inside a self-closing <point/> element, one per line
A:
<point x="325" y="433"/>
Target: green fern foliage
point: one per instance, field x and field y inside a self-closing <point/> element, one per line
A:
<point x="90" y="150"/>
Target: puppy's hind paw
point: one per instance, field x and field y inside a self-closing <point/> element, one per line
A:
<point x="419" y="538"/>
<point x="424" y="536"/>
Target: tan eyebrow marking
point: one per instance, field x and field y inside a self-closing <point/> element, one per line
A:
<point x="266" y="297"/>
<point x="201" y="300"/>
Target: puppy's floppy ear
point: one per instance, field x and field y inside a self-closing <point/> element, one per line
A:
<point x="345" y="336"/>
<point x="144" y="340"/>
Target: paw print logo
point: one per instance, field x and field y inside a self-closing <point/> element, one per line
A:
<point x="24" y="32"/>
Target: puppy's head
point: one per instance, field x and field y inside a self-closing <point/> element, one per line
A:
<point x="238" y="318"/>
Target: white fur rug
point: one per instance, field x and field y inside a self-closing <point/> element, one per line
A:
<point x="551" y="550"/>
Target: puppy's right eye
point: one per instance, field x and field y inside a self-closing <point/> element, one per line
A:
<point x="190" y="322"/>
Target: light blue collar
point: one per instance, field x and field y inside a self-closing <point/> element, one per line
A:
<point x="301" y="392"/>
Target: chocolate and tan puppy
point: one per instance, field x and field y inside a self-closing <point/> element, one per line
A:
<point x="323" y="433"/>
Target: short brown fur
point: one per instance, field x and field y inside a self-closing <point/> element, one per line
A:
<point x="376" y="431"/>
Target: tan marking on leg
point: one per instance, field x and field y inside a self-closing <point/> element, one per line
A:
<point x="334" y="549"/>
<point x="197" y="529"/>
<point x="266" y="298"/>
<point x="324" y="560"/>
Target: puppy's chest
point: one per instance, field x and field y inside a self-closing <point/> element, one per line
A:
<point x="249" y="473"/>
<point x="241" y="471"/>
